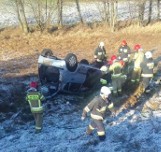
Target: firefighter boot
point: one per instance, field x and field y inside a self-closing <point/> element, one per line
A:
<point x="102" y="138"/>
<point x="115" y="93"/>
<point x="37" y="131"/>
<point x="89" y="130"/>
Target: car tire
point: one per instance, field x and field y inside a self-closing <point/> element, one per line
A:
<point x="84" y="61"/>
<point x="71" y="62"/>
<point x="46" y="52"/>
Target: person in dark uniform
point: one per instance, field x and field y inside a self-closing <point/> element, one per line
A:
<point x="98" y="107"/>
<point x="147" y="67"/>
<point x="124" y="51"/>
<point x="100" y="55"/>
<point x="124" y="54"/>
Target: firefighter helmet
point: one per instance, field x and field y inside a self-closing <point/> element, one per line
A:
<point x="33" y="84"/>
<point x="124" y="43"/>
<point x="104" y="69"/>
<point x="101" y="44"/>
<point x="148" y="55"/>
<point x="137" y="47"/>
<point x="105" y="91"/>
<point x="113" y="57"/>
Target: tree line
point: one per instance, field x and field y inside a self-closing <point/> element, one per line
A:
<point x="45" y="11"/>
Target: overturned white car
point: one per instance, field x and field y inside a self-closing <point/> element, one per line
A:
<point x="66" y="75"/>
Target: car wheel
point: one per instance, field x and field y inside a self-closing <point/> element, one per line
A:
<point x="84" y="61"/>
<point x="46" y="52"/>
<point x="71" y="62"/>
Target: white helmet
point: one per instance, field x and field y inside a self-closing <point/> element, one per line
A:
<point x="104" y="69"/>
<point x="148" y="55"/>
<point x="105" y="91"/>
<point x="101" y="44"/>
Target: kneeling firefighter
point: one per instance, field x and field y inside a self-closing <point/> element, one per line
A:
<point x="106" y="76"/>
<point x="98" y="107"/>
<point x="35" y="98"/>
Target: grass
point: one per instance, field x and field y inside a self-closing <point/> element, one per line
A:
<point x="151" y="28"/>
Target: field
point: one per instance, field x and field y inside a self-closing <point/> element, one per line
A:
<point x="19" y="52"/>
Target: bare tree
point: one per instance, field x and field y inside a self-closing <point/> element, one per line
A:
<point x="42" y="12"/>
<point x="141" y="7"/>
<point x="158" y="9"/>
<point x="150" y="11"/>
<point x="79" y="11"/>
<point x="106" y="10"/>
<point x="113" y="14"/>
<point x="36" y="7"/>
<point x="50" y="7"/>
<point x="20" y="10"/>
<point x="60" y="13"/>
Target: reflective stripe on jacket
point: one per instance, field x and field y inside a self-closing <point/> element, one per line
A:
<point x="100" y="54"/>
<point x="97" y="107"/>
<point x="147" y="67"/>
<point x="34" y="98"/>
<point x="124" y="51"/>
<point x="147" y="75"/>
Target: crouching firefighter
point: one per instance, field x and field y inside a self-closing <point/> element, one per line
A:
<point x="35" y="98"/>
<point x="97" y="108"/>
<point x="106" y="76"/>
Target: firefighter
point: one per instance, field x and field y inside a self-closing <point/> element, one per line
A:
<point x="138" y="59"/>
<point x="106" y="76"/>
<point x="124" y="54"/>
<point x="100" y="55"/>
<point x="117" y="77"/>
<point x="124" y="51"/>
<point x="98" y="107"/>
<point x="35" y="99"/>
<point x="147" y="67"/>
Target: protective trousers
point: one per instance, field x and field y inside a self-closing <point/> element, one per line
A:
<point x="145" y="81"/>
<point x="117" y="84"/>
<point x="38" y="120"/>
<point x="97" y="124"/>
<point x="136" y="75"/>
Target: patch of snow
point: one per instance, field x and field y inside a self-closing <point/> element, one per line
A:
<point x="63" y="130"/>
<point x="91" y="11"/>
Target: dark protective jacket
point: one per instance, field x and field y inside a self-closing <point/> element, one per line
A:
<point x="34" y="98"/>
<point x="124" y="52"/>
<point x="147" y="68"/>
<point x="100" y="54"/>
<point x="97" y="107"/>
